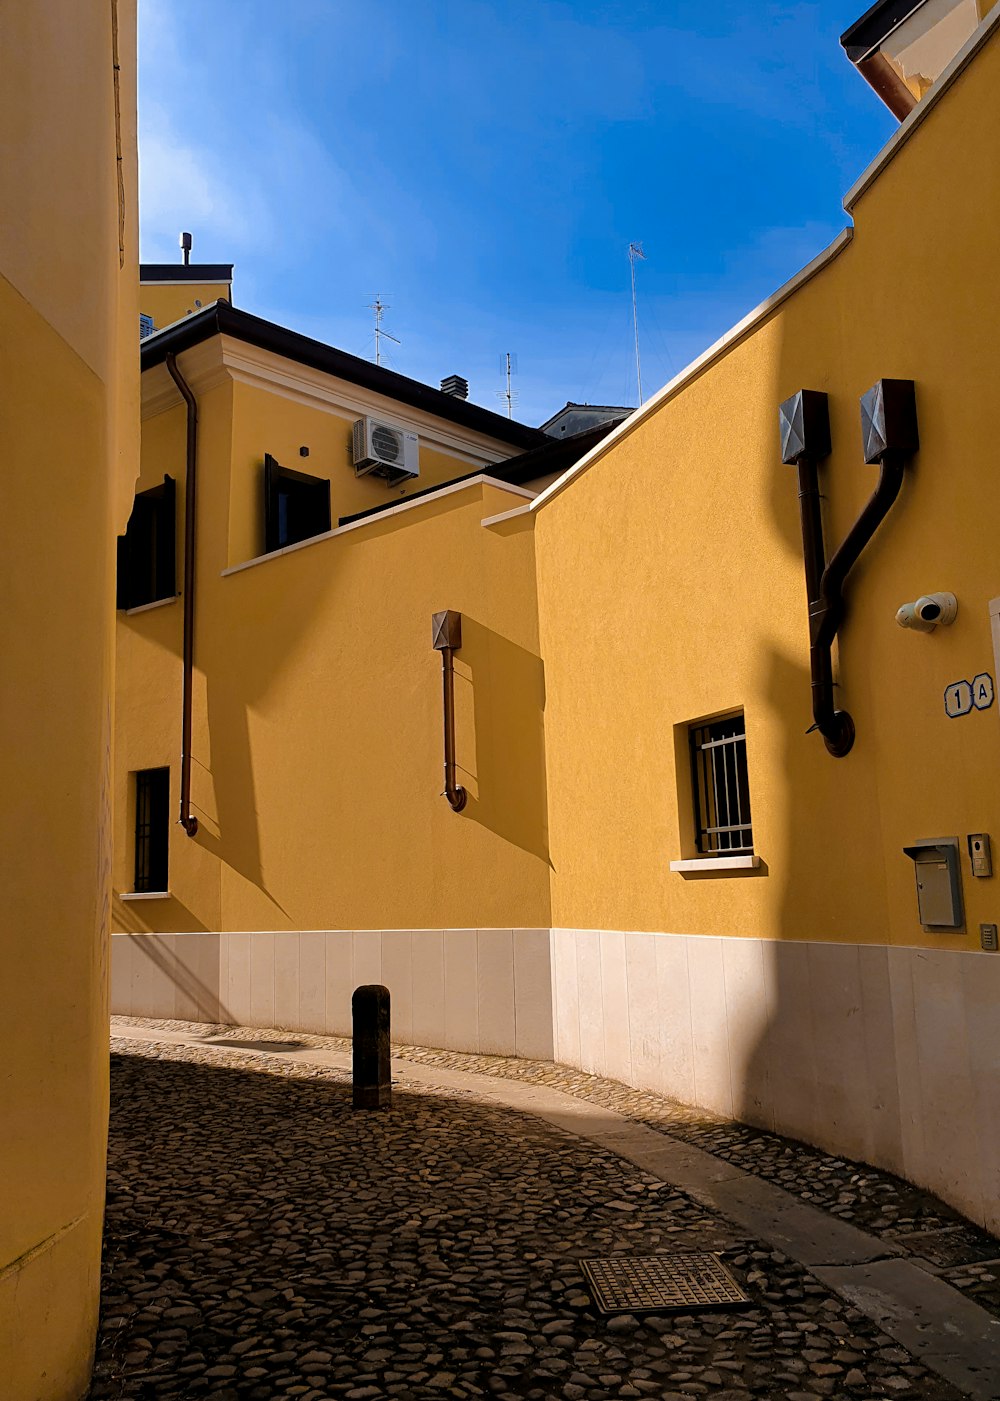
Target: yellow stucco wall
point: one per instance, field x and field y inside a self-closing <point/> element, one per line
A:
<point x="264" y="421"/>
<point x="317" y="774"/>
<point x="167" y="302"/>
<point x="69" y="365"/>
<point x="671" y="587"/>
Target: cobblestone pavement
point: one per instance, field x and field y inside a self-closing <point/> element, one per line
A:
<point x="877" y="1202"/>
<point x="264" y="1240"/>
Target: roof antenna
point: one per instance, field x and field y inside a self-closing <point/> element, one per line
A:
<point x="509" y="394"/>
<point x="186" y="242"/>
<point x="379" y="308"/>
<point x="635" y="251"/>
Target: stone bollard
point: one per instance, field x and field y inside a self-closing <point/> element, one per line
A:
<point x="372" y="1074"/>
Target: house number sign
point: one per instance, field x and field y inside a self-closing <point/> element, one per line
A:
<point x="962" y="697"/>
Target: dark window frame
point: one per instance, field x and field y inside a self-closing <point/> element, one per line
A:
<point x="720" y="777"/>
<point x="152" y="831"/>
<point x="296" y="506"/>
<point x="147" y="552"/>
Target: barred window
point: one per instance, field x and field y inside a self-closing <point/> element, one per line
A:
<point x="721" y="787"/>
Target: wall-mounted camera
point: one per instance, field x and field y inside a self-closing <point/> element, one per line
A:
<point x="931" y="610"/>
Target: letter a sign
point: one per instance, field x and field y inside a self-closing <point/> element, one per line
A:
<point x="982" y="691"/>
<point x="962" y="697"/>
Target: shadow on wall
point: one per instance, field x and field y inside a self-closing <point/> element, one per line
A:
<point x="825" y="1062"/>
<point x="128" y="915"/>
<point x="504" y="759"/>
<point x="204" y="1001"/>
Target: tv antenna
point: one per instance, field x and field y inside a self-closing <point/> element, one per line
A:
<point x="510" y="368"/>
<point x="634" y="252"/>
<point x="379" y="308"/>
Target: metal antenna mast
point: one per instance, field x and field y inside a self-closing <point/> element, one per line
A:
<point x="509" y="394"/>
<point x="379" y="308"/>
<point x="635" y="251"/>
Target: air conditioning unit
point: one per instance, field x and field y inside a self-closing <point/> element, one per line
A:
<point x="384" y="450"/>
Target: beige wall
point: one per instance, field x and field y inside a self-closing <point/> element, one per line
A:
<point x="68" y="361"/>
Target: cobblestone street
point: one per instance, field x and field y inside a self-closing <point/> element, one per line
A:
<point x="265" y="1240"/>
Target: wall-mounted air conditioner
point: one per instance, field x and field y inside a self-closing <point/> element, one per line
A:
<point x="384" y="450"/>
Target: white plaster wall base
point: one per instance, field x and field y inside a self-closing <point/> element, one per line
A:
<point x="481" y="990"/>
<point x="886" y="1055"/>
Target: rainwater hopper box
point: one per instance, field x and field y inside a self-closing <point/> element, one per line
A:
<point x="939" y="883"/>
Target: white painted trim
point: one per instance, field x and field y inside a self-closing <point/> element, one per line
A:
<point x="697" y="367"/>
<point x="506" y="515"/>
<point x="926" y="104"/>
<point x="701" y="864"/>
<point x="146" y="607"/>
<point x="144" y="895"/>
<point x="405" y="505"/>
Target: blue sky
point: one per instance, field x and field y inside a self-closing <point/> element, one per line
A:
<point x="484" y="166"/>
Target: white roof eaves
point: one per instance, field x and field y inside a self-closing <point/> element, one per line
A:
<point x="926" y="104"/>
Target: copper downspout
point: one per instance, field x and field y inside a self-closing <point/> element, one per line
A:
<point x="187" y="819"/>
<point x="447" y="639"/>
<point x="889" y="430"/>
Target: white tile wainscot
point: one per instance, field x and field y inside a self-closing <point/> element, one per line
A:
<point x="886" y="1055"/>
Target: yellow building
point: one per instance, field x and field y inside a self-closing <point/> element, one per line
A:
<point x="68" y="326"/>
<point x="659" y="874"/>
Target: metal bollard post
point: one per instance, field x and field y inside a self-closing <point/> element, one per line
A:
<point x="372" y="1074"/>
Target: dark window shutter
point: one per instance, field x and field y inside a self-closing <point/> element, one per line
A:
<point x="296" y="506"/>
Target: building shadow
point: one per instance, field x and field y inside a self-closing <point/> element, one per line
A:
<point x="500" y="687"/>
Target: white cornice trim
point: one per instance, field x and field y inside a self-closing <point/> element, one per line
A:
<point x="428" y="499"/>
<point x="265" y="369"/>
<point x="697" y="367"/>
<point x="202" y="367"/>
<point x="219" y="358"/>
<point x="926" y="104"/>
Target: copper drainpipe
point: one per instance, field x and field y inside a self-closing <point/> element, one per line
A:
<point x="447" y="639"/>
<point x="889" y="432"/>
<point x="187" y="819"/>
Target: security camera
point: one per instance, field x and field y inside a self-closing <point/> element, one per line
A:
<point x="930" y="610"/>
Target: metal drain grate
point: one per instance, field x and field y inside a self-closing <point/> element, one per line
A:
<point x="948" y="1247"/>
<point x="682" y="1283"/>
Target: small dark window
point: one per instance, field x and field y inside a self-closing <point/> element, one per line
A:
<point x="296" y="506"/>
<point x="721" y="787"/>
<point x="146" y="563"/>
<point x="152" y="828"/>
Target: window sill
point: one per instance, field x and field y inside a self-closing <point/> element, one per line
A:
<point x="156" y="603"/>
<point x="145" y="895"/>
<point x="701" y="865"/>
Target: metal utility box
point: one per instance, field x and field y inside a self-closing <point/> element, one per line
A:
<point x="939" y="885"/>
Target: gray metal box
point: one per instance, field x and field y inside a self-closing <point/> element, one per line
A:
<point x="939" y="882"/>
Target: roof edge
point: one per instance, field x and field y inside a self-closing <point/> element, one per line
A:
<point x="222" y="318"/>
<point x="982" y="34"/>
<point x="697" y="367"/>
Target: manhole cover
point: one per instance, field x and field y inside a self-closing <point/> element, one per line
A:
<point x="656" y="1283"/>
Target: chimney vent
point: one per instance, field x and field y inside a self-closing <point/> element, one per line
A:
<point x="456" y="386"/>
<point x="186" y="242"/>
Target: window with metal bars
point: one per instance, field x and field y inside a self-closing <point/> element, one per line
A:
<point x="152" y="829"/>
<point x="721" y="787"/>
